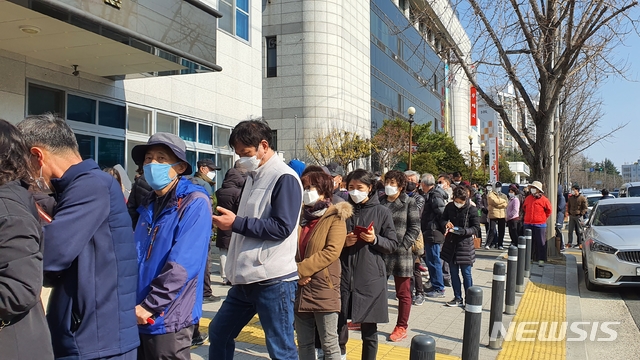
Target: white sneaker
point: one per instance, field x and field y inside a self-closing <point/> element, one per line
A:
<point x="319" y="354"/>
<point x="343" y="357"/>
<point x="486" y="248"/>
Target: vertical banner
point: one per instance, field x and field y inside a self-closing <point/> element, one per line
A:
<point x="474" y="107"/>
<point x="494" y="171"/>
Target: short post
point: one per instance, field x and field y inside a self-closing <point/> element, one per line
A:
<point x="527" y="264"/>
<point x="497" y="298"/>
<point x="522" y="253"/>
<point x="472" y="323"/>
<point x="423" y="347"/>
<point x="512" y="267"/>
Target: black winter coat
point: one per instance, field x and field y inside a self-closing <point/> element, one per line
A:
<point x="363" y="287"/>
<point x="27" y="334"/>
<point x="431" y="214"/>
<point x="229" y="198"/>
<point x="459" y="249"/>
<point x="139" y="191"/>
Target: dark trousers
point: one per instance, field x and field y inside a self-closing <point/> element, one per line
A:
<point x="496" y="232"/>
<point x="538" y="242"/>
<point x="131" y="355"/>
<point x="207" y="276"/>
<point x="369" y="332"/>
<point x="417" y="287"/>
<point x="514" y="226"/>
<point x="166" y="346"/>
<point x="559" y="235"/>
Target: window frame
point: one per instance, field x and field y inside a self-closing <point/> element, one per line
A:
<point x="234" y="10"/>
<point x="269" y="50"/>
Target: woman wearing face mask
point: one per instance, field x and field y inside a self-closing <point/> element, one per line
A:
<point x="537" y="210"/>
<point x="321" y="240"/>
<point x="364" y="278"/>
<point x="513" y="214"/>
<point x="460" y="219"/>
<point x="406" y="219"/>
<point x="22" y="320"/>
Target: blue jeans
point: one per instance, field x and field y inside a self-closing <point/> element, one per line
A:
<point x="274" y="305"/>
<point x="432" y="259"/>
<point x="455" y="278"/>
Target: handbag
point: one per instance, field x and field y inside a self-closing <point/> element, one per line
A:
<point x="418" y="246"/>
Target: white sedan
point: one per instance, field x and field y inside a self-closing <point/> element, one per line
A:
<point x="611" y="250"/>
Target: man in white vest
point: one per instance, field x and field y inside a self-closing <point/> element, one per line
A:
<point x="261" y="259"/>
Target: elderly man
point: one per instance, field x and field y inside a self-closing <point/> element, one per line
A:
<point x="337" y="172"/>
<point x="433" y="233"/>
<point x="89" y="252"/>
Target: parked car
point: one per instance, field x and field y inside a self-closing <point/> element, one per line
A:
<point x="592" y="199"/>
<point x="631" y="189"/>
<point x="611" y="250"/>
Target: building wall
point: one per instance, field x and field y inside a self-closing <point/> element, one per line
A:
<point x="323" y="79"/>
<point x="630" y="173"/>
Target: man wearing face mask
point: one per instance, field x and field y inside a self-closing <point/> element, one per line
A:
<point x="172" y="236"/>
<point x="433" y="233"/>
<point x="444" y="183"/>
<point x="337" y="172"/>
<point x="576" y="208"/>
<point x="261" y="262"/>
<point x="89" y="256"/>
<point x="457" y="179"/>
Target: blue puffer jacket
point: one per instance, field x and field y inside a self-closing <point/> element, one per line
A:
<point x="172" y="252"/>
<point x="89" y="255"/>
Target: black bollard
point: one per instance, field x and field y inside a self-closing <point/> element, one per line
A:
<point x="522" y="253"/>
<point x="512" y="267"/>
<point x="497" y="298"/>
<point x="423" y="347"/>
<point x="472" y="323"/>
<point x="527" y="264"/>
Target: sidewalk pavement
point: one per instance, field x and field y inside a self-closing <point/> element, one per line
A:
<point x="444" y="324"/>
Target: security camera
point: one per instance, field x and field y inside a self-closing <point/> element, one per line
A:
<point x="75" y="70"/>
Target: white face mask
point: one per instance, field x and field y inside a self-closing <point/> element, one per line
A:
<point x="534" y="190"/>
<point x="489" y="188"/>
<point x="458" y="205"/>
<point x="511" y="195"/>
<point x="441" y="186"/>
<point x="211" y="175"/>
<point x="390" y="190"/>
<point x="457" y="182"/>
<point x="358" y="196"/>
<point x="248" y="163"/>
<point x="310" y="197"/>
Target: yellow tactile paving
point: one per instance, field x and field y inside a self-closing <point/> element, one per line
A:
<point x="253" y="334"/>
<point x="540" y="304"/>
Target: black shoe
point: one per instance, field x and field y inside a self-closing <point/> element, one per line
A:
<point x="199" y="340"/>
<point x="211" y="299"/>
<point x="447" y="283"/>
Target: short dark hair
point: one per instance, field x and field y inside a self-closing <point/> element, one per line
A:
<point x="15" y="163"/>
<point x="461" y="192"/>
<point x="457" y="174"/>
<point x="446" y="177"/>
<point x="604" y="192"/>
<point x="576" y="186"/>
<point x="398" y="176"/>
<point x="363" y="176"/>
<point x="48" y="131"/>
<point x="313" y="168"/>
<point x="250" y="133"/>
<point x="322" y="181"/>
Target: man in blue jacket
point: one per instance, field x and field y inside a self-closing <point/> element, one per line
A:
<point x="89" y="252"/>
<point x="172" y="236"/>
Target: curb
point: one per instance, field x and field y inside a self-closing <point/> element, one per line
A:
<point x="575" y="349"/>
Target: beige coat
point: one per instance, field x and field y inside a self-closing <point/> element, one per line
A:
<point x="497" y="205"/>
<point x="321" y="261"/>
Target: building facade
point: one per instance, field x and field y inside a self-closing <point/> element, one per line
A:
<point x="630" y="172"/>
<point x="351" y="65"/>
<point x="121" y="71"/>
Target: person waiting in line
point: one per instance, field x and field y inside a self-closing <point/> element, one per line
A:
<point x="513" y="214"/>
<point x="444" y="182"/>
<point x="460" y="218"/>
<point x="24" y="333"/>
<point x="399" y="264"/>
<point x="371" y="234"/>
<point x="433" y="234"/>
<point x="560" y="207"/>
<point x="140" y="189"/>
<point x="337" y="172"/>
<point x="577" y="207"/>
<point x="172" y="236"/>
<point x="497" y="203"/>
<point x="537" y="210"/>
<point x="322" y="235"/>
<point x="414" y="190"/>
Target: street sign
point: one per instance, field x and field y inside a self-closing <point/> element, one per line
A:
<point x="598" y="182"/>
<point x="592" y="169"/>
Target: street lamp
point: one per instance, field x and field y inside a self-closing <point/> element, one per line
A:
<point x="470" y="157"/>
<point x="484" y="170"/>
<point x="411" y="111"/>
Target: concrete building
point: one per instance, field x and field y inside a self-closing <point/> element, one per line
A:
<point x="630" y="172"/>
<point x="350" y="65"/>
<point x="492" y="125"/>
<point x="118" y="71"/>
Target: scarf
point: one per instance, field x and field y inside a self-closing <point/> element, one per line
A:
<point x="315" y="211"/>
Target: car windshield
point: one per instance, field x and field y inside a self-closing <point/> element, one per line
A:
<point x="592" y="200"/>
<point x="616" y="215"/>
<point x="633" y="191"/>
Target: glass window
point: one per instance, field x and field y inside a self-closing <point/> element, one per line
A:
<point x="81" y="109"/>
<point x="225" y="162"/>
<point x="112" y="115"/>
<point x="187" y="130"/>
<point x="272" y="56"/>
<point x="86" y="146"/>
<point x="235" y="17"/>
<point x="274" y="140"/>
<point x="43" y="100"/>
<point x="205" y="134"/>
<point x="110" y="152"/>
<point x="166" y="123"/>
<point x="222" y="137"/>
<point x="139" y="120"/>
<point x="191" y="159"/>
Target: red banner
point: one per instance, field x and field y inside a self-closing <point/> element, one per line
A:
<point x="474" y="108"/>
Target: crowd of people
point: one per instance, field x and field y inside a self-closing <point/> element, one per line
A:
<point x="309" y="249"/>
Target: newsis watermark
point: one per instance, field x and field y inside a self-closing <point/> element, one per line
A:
<point x="555" y="331"/>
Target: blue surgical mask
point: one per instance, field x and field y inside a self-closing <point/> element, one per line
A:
<point x="157" y="175"/>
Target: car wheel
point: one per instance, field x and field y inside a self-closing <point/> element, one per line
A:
<point x="589" y="285"/>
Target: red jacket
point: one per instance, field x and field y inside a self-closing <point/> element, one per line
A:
<point x="536" y="210"/>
